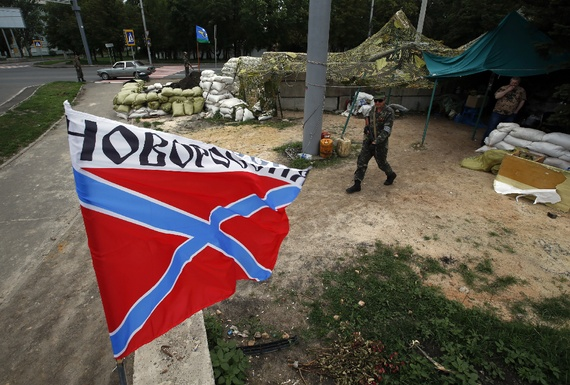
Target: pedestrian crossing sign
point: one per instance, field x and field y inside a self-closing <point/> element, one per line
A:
<point x="37" y="43"/>
<point x="129" y="37"/>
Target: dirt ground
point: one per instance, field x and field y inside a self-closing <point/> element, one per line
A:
<point x="435" y="206"/>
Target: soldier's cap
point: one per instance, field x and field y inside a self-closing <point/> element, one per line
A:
<point x="379" y="97"/>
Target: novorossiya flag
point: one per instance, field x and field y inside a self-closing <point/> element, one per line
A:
<point x="201" y="35"/>
<point x="172" y="223"/>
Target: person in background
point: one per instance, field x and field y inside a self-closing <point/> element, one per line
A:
<point x="78" y="69"/>
<point x="187" y="64"/>
<point x="375" y="143"/>
<point x="510" y="100"/>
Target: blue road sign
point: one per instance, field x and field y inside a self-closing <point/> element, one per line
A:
<point x="129" y="37"/>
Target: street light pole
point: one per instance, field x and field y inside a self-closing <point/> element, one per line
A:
<point x="145" y="34"/>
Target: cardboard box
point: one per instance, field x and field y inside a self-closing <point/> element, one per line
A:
<point x="474" y="101"/>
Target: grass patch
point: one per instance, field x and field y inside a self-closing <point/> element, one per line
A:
<point x="430" y="266"/>
<point x="371" y="311"/>
<point x="24" y="124"/>
<point x="555" y="309"/>
<point x="485" y="267"/>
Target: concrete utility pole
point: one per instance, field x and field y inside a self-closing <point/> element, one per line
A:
<point x="420" y="28"/>
<point x="146" y="41"/>
<point x="316" y="80"/>
<point x="76" y="9"/>
<point x="370" y="21"/>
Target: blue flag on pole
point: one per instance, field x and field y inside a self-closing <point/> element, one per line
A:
<point x="201" y="35"/>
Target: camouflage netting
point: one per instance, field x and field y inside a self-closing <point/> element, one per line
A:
<point x="389" y="58"/>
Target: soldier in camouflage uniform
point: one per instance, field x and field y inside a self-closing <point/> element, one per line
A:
<point x="375" y="143"/>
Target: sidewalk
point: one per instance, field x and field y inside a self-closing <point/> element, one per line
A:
<point x="52" y="321"/>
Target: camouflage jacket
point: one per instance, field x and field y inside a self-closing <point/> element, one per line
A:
<point x="384" y="120"/>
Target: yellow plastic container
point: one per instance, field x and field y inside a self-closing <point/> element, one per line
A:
<point x="326" y="148"/>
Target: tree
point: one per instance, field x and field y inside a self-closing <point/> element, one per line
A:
<point x="61" y="28"/>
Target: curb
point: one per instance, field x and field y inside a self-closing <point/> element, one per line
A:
<point x="181" y="357"/>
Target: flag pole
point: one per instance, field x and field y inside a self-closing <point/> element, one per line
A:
<point x="198" y="52"/>
<point x="122" y="372"/>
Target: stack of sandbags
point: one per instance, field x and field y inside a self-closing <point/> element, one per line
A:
<point x="219" y="99"/>
<point x="138" y="101"/>
<point x="554" y="146"/>
<point x="181" y="102"/>
<point x="124" y="100"/>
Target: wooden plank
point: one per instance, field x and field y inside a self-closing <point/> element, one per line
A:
<point x="532" y="174"/>
<point x="526" y="174"/>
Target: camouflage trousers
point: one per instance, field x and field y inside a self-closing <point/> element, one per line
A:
<point x="380" y="154"/>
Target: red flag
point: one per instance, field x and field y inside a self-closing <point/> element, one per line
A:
<point x="172" y="223"/>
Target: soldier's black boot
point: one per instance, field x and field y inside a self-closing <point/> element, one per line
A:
<point x="390" y="179"/>
<point x="354" y="188"/>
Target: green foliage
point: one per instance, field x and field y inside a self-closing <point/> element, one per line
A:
<point x="556" y="309"/>
<point x="229" y="363"/>
<point x="378" y="297"/>
<point x="485" y="267"/>
<point x="22" y="125"/>
<point x="214" y="329"/>
<point x="431" y="266"/>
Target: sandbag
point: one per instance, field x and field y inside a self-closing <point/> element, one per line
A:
<point x="122" y="108"/>
<point x="504" y="146"/>
<point x="232" y="102"/>
<point x="224" y="79"/>
<point x="177" y="98"/>
<point x="485" y="161"/>
<point x="495" y="137"/>
<point x="154" y="105"/>
<point x="526" y="133"/>
<point x="206" y="85"/>
<point x="506" y="126"/>
<point x="517" y="142"/>
<point x="208" y="73"/>
<point x="558" y="138"/>
<point x="188" y="107"/>
<point x="216" y="98"/>
<point x="139" y="113"/>
<point x="120" y="97"/>
<point x="226" y="111"/>
<point x="177" y="91"/>
<point x="247" y="115"/>
<point x="552" y="150"/>
<point x="196" y="91"/>
<point x="166" y="107"/>
<point x="557" y="162"/>
<point x="151" y="96"/>
<point x="140" y="99"/>
<point x="198" y="104"/>
<point x="177" y="109"/>
<point x="187" y="93"/>
<point x="218" y="86"/>
<point x="211" y="108"/>
<point x="167" y="91"/>
<point x="239" y="114"/>
<point x="130" y="99"/>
